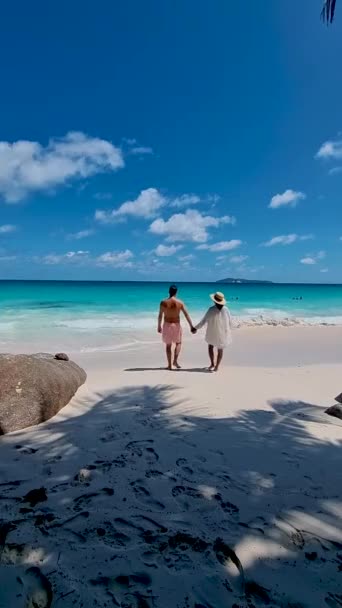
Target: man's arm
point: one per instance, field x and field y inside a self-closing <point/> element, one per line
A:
<point x="186" y="315"/>
<point x="160" y="317"/>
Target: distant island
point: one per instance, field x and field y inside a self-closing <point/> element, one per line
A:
<point x="244" y="281"/>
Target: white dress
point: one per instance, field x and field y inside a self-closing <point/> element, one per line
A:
<point x="219" y="325"/>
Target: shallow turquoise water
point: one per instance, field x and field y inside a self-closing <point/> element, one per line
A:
<point x="28" y="306"/>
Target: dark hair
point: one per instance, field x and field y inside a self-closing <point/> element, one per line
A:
<point x="173" y="290"/>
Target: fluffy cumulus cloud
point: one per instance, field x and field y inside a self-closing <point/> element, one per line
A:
<point x="82" y="234"/>
<point x="289" y="197"/>
<point x="313" y="258"/>
<point x="222" y="246"/>
<point x="7" y="228"/>
<point x="146" y="205"/>
<point x="189" y="226"/>
<point x="331" y="149"/>
<point x="287" y="239"/>
<point x="116" y="259"/>
<point x="28" y="166"/>
<point x="164" y="251"/>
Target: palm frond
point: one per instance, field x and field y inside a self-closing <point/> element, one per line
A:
<point x="328" y="11"/>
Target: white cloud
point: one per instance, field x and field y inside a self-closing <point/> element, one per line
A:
<point x="313" y="258"/>
<point x="8" y="258"/>
<point x="185" y="200"/>
<point x="324" y="270"/>
<point x="186" y="258"/>
<point x="103" y="196"/>
<point x="7" y="228"/>
<point x="238" y="259"/>
<point x="164" y="251"/>
<point x="27" y="166"/>
<point x="117" y="259"/>
<point x="330" y="149"/>
<point x="287" y="239"/>
<point x="74" y="256"/>
<point x="82" y="234"/>
<point x="289" y="197"/>
<point x="222" y="245"/>
<point x="188" y="226"/>
<point x="146" y="205"/>
<point x="140" y="150"/>
<point x="335" y="170"/>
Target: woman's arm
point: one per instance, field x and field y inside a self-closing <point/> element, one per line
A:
<point x="203" y="321"/>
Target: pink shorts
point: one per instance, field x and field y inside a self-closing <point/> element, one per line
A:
<point x="172" y="333"/>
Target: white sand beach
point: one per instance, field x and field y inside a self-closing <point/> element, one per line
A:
<point x="182" y="489"/>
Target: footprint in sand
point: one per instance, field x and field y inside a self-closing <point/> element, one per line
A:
<point x="91" y="498"/>
<point x="178" y="551"/>
<point x="133" y="590"/>
<point x="144" y="449"/>
<point x="143" y="495"/>
<point x="182" y="463"/>
<point x="226" y="506"/>
<point x="184" y="494"/>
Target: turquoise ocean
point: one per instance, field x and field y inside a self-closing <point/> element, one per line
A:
<point x="101" y="314"/>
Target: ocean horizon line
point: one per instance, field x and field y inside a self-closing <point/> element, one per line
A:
<point x="260" y="283"/>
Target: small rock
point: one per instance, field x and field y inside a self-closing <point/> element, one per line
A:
<point x="61" y="357"/>
<point x="339" y="398"/>
<point x="335" y="410"/>
<point x="83" y="475"/>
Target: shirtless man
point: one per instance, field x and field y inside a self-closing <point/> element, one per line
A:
<point x="169" y="325"/>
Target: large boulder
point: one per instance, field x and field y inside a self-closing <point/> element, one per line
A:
<point x="335" y="410"/>
<point x="33" y="388"/>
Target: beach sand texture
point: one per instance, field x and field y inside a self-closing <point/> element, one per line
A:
<point x="179" y="489"/>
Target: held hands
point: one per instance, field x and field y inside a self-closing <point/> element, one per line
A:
<point x="193" y="330"/>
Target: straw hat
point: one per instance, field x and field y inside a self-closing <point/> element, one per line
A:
<point x="218" y="298"/>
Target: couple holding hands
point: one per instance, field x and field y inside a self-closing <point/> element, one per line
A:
<point x="217" y="320"/>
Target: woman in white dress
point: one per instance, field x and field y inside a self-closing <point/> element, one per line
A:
<point x="218" y="334"/>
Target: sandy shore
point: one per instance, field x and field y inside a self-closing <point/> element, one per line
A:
<point x="182" y="489"/>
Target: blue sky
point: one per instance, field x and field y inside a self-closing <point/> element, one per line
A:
<point x="149" y="140"/>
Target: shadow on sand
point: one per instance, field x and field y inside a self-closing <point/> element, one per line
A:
<point x="198" y="370"/>
<point x="149" y="508"/>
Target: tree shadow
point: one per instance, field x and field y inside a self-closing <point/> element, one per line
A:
<point x="149" y="507"/>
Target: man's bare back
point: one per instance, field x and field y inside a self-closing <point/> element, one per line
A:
<point x="169" y="324"/>
<point x="172" y="308"/>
